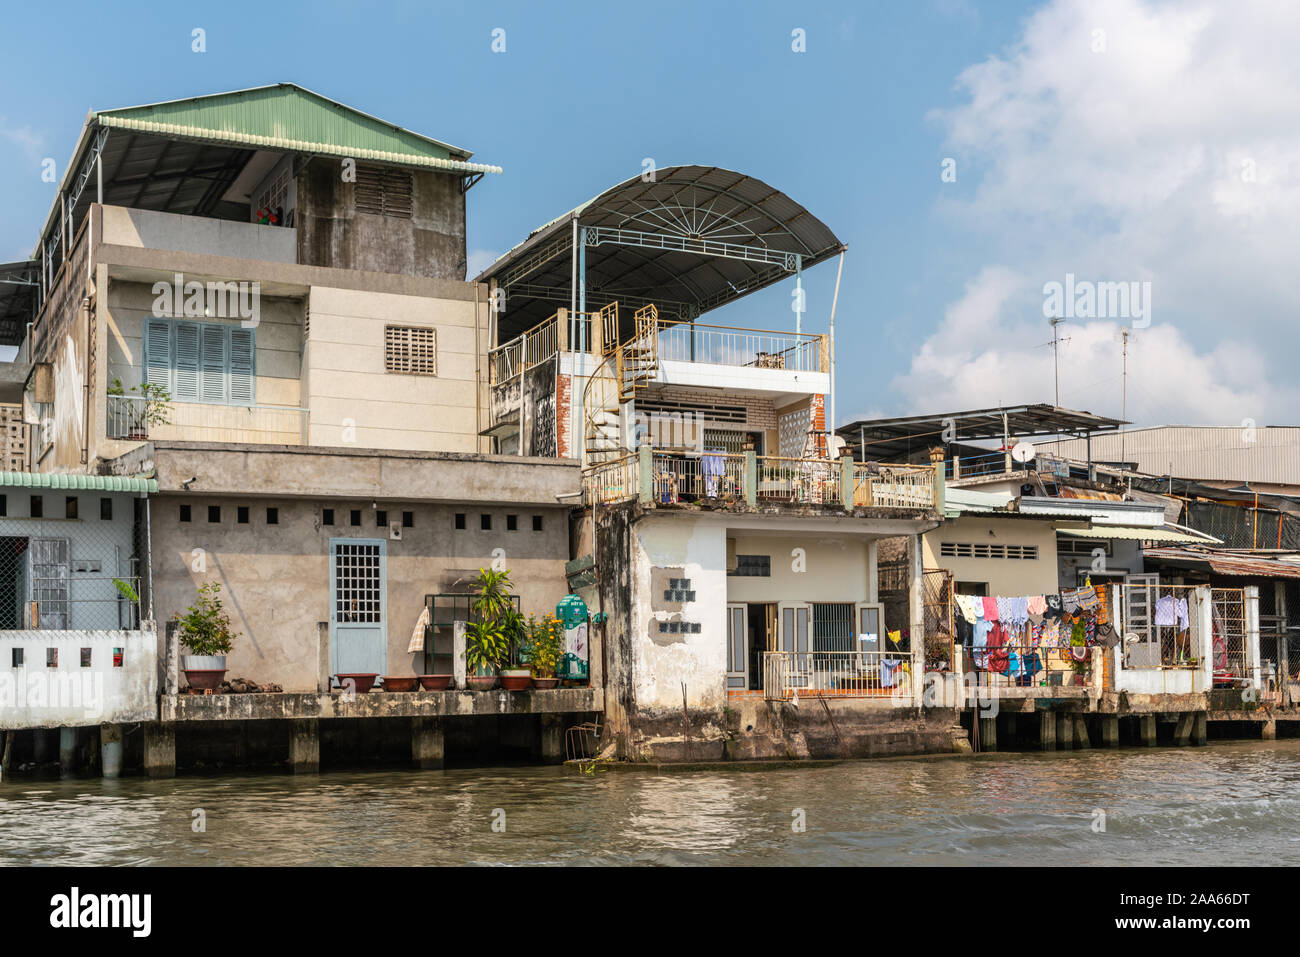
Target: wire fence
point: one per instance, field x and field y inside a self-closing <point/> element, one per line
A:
<point x="1160" y="625"/>
<point x="72" y="563"/>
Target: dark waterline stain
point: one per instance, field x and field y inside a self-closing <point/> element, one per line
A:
<point x="1226" y="804"/>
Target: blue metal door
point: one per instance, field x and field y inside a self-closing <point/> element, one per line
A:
<point x="358" y="621"/>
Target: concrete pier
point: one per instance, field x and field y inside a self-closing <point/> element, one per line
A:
<point x="428" y="745"/>
<point x="160" y="749"/>
<point x="551" y="732"/>
<point x="1109" y="730"/>
<point x="1064" y="731"/>
<point x="1081" y="739"/>
<point x="1147" y="730"/>
<point x="1183" y="730"/>
<point x="110" y="750"/>
<point x="1267" y="731"/>
<point x="988" y="734"/>
<point x="1047" y="731"/>
<point x="304" y="746"/>
<point x="67" y="750"/>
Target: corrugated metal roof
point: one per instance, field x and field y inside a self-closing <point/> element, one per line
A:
<point x="89" y="483"/>
<point x="1226" y="564"/>
<point x="1135" y="534"/>
<point x="288" y="117"/>
<point x="1265" y="454"/>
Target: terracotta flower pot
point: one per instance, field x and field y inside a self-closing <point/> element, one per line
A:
<point x="545" y="684"/>
<point x="435" y="682"/>
<point x="361" y="683"/>
<point x="481" y="682"/>
<point x="516" y="679"/>
<point x="394" y="683"/>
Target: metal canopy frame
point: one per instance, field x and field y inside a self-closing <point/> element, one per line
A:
<point x="686" y="238"/>
<point x="889" y="438"/>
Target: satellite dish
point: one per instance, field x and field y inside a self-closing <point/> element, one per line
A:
<point x="1022" y="452"/>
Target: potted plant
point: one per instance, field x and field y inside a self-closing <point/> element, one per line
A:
<point x="155" y="409"/>
<point x="205" y="632"/>
<point x="545" y="648"/>
<point x="517" y="676"/>
<point x="485" y="649"/>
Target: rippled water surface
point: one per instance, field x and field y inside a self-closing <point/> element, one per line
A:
<point x="1226" y="804"/>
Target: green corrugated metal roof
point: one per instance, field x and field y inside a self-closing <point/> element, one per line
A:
<point x="89" y="483"/>
<point x="287" y="117"/>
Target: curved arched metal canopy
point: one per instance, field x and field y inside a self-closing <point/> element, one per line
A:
<point x="690" y="239"/>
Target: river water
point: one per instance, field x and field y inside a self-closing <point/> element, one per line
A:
<point x="1232" y="803"/>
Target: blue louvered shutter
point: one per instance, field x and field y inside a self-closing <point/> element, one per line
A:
<point x="158" y="354"/>
<point x="241" y="366"/>
<point x="186" y="362"/>
<point x="215" y="363"/>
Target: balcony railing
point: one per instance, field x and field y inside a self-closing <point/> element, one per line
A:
<point x="853" y="674"/>
<point x="732" y="346"/>
<point x="664" y="478"/>
<point x="134" y="417"/>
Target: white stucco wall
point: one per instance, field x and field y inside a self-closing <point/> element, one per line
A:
<point x="70" y="695"/>
<point x="662" y="663"/>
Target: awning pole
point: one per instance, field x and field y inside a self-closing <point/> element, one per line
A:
<point x="834" y="302"/>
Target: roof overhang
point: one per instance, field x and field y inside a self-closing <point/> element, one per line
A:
<point x="686" y="238"/>
<point x="1136" y="533"/>
<point x="1222" y="563"/>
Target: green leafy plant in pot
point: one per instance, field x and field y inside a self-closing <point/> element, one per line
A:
<point x="205" y="632"/>
<point x="545" y="649"/>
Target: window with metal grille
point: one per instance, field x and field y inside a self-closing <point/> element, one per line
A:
<point x="752" y="566"/>
<point x="983" y="550"/>
<point x="384" y="191"/>
<point x="357" y="583"/>
<point x="411" y="350"/>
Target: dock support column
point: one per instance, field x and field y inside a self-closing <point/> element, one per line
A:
<point x="428" y="744"/>
<point x="41" y="746"/>
<point x="1147" y="730"/>
<point x="110" y="750"/>
<point x="67" y="750"/>
<point x="1267" y="731"/>
<point x="1109" y="730"/>
<point x="1064" y="730"/>
<point x="304" y="746"/>
<point x="160" y="749"/>
<point x="551" y="729"/>
<point x="988" y="733"/>
<point x="1047" y="731"/>
<point x="1081" y="739"/>
<point x="1183" y="731"/>
<point x="1198" y="729"/>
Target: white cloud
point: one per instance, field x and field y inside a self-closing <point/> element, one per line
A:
<point x="993" y="348"/>
<point x="1173" y="156"/>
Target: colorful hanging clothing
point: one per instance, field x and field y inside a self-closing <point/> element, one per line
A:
<point x="1171" y="612"/>
<point x="990" y="608"/>
<point x="1087" y="598"/>
<point x="1070" y="601"/>
<point x="1036" y="604"/>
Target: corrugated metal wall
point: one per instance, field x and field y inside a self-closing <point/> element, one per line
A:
<point x="1264" y="454"/>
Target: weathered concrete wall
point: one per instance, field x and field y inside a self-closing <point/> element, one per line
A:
<point x="198" y="234"/>
<point x="263" y="470"/>
<point x="681" y="548"/>
<point x="76" y="695"/>
<point x="332" y="232"/>
<point x="805" y="568"/>
<point x="276" y="578"/>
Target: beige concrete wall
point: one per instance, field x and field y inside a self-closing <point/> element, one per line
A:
<point x="278" y="336"/>
<point x="835" y="569"/>
<point x="1004" y="576"/>
<point x="196" y="234"/>
<point x="276" y="579"/>
<point x="354" y="401"/>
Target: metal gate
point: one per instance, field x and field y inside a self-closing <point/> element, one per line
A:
<point x="936" y="601"/>
<point x="358" y="632"/>
<point x="1228" y="636"/>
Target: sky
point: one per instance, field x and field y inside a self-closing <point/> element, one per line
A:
<point x="971" y="155"/>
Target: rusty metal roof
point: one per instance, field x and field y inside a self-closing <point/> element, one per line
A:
<point x="1226" y="563"/>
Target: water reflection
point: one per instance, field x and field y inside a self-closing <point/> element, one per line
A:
<point x="1232" y="803"/>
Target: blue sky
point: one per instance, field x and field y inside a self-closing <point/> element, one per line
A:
<point x="941" y="300"/>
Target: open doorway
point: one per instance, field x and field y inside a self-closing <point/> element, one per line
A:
<point x="760" y="621"/>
